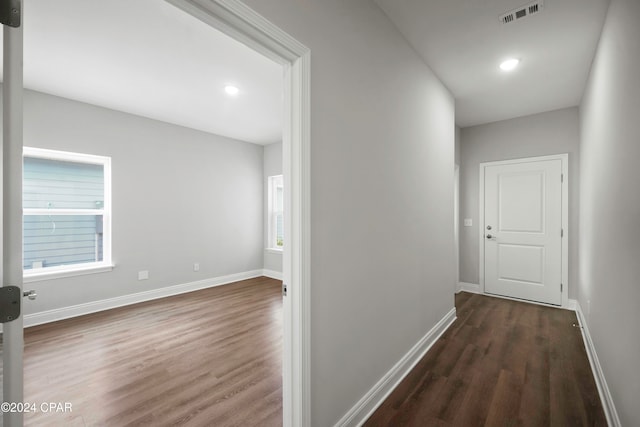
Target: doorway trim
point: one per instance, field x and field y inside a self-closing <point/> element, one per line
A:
<point x="564" y="158"/>
<point x="238" y="21"/>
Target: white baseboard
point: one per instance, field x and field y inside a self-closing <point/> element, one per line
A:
<point x="272" y="274"/>
<point x="605" y="395"/>
<point x="362" y="410"/>
<point x="474" y="288"/>
<point x="95" y="306"/>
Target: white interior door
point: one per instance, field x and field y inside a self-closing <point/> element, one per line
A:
<point x="11" y="197"/>
<point x="522" y="230"/>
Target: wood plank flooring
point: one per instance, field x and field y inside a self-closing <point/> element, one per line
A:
<point x="213" y="358"/>
<point x="206" y="358"/>
<point x="501" y="363"/>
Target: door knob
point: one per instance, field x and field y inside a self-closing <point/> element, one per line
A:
<point x="489" y="236"/>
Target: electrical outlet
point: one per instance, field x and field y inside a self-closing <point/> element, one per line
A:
<point x="143" y="275"/>
<point x="196" y="267"/>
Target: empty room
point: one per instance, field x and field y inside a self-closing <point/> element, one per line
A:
<point x="442" y="231"/>
<point x="152" y="211"/>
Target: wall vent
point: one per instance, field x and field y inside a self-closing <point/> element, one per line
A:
<point x="522" y="12"/>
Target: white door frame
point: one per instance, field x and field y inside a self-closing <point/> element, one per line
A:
<point x="564" y="158"/>
<point x="456" y="222"/>
<point x="11" y="216"/>
<point x="243" y="24"/>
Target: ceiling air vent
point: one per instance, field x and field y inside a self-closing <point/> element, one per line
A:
<point x="522" y="12"/>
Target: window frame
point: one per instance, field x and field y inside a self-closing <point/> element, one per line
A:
<point x="47" y="273"/>
<point x="273" y="182"/>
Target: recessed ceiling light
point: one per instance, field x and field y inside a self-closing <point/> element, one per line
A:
<point x="231" y="90"/>
<point x="509" y="64"/>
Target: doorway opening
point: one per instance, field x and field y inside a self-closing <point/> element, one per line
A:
<point x="244" y="25"/>
<point x="524" y="235"/>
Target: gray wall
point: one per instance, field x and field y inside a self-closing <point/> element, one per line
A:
<point x="382" y="147"/>
<point x="272" y="166"/>
<point x="542" y="134"/>
<point x="179" y="196"/>
<point x="610" y="206"/>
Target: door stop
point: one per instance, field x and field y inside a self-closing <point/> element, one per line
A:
<point x="10" y="299"/>
<point x="10" y="12"/>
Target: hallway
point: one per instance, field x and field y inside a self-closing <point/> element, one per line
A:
<point x="501" y="363"/>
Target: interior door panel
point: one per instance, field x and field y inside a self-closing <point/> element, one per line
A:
<point x="522" y="230"/>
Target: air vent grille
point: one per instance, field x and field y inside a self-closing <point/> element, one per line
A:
<point x="522" y="12"/>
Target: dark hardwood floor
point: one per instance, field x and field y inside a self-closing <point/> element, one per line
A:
<point x="206" y="358"/>
<point x="502" y="363"/>
<point x="213" y="358"/>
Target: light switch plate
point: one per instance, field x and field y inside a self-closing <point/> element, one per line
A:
<point x="468" y="222"/>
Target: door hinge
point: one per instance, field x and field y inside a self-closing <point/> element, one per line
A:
<point x="561" y="177"/>
<point x="10" y="300"/>
<point x="10" y="12"/>
<point x="562" y="232"/>
<point x="560" y="287"/>
<point x="284" y="289"/>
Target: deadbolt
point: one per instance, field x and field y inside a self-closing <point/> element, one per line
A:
<point x="488" y="227"/>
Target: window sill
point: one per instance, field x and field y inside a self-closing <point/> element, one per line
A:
<point x="29" y="277"/>
<point x="274" y="251"/>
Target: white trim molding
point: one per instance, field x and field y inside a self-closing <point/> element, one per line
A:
<point x="571" y="304"/>
<point x="272" y="274"/>
<point x="564" y="158"/>
<point x="474" y="288"/>
<point x="240" y="22"/>
<point x="603" y="389"/>
<point x="121" y="301"/>
<point x="365" y="407"/>
<point x="79" y="270"/>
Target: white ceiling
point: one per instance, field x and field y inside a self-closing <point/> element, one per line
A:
<point x="464" y="42"/>
<point x="147" y="57"/>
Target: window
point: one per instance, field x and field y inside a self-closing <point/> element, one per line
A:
<point x="276" y="212"/>
<point x="66" y="201"/>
